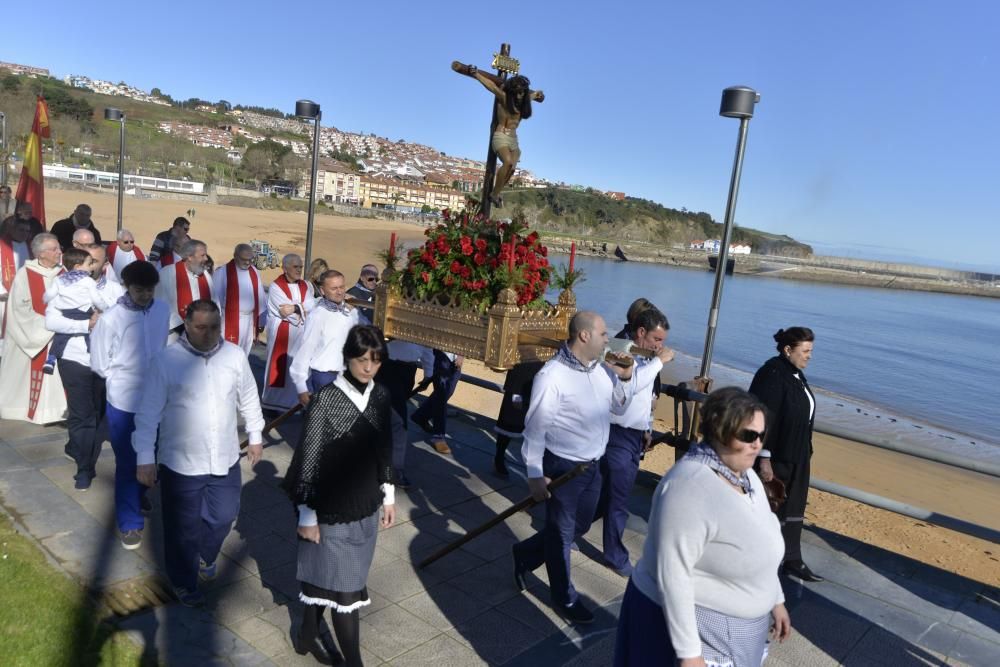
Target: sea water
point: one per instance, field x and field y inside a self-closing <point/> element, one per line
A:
<point x="911" y="366"/>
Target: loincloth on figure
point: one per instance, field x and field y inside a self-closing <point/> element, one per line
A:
<point x="505" y="138"/>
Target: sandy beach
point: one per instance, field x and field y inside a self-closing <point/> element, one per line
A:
<point x="348" y="243"/>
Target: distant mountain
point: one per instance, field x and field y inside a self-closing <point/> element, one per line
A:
<point x="591" y="213"/>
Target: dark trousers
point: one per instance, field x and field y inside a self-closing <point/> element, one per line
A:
<point x="792" y="513"/>
<point x="446" y="376"/>
<point x="619" y="466"/>
<point x="568" y="514"/>
<point x="128" y="490"/>
<point x="85" y="407"/>
<point x="198" y="512"/>
<point x="398" y="378"/>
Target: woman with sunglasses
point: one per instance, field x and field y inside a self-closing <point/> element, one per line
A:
<point x="781" y="385"/>
<point x="706" y="589"/>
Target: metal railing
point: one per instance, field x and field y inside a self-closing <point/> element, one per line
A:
<point x="682" y="394"/>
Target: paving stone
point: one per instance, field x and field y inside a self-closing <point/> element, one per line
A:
<point x="444" y="606"/>
<point x="407" y="539"/>
<point x="442" y="651"/>
<point x="453" y="564"/>
<point x="391" y="632"/>
<point x="377" y="602"/>
<point x="972" y="650"/>
<point x="492" y="583"/>
<point x="399" y="580"/>
<point x="533" y="608"/>
<point x="980" y="619"/>
<point x="595" y="588"/>
<point x="599" y="655"/>
<point x="264" y="552"/>
<point x="264" y="636"/>
<point x="823" y="632"/>
<point x="496" y="637"/>
<point x="10" y="460"/>
<point x="239" y="600"/>
<point x="880" y="647"/>
<point x="17" y="432"/>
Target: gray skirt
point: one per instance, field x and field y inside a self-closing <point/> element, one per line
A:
<point x="339" y="563"/>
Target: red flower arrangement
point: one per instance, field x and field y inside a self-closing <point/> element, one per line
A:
<point x="469" y="260"/>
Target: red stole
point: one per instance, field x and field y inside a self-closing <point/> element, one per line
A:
<point x="36" y="286"/>
<point x="232" y="314"/>
<point x="184" y="288"/>
<point x="167" y="258"/>
<point x="279" y="354"/>
<point x="113" y="250"/>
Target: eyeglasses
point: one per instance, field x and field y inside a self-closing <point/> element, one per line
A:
<point x="370" y="279"/>
<point x="124" y="241"/>
<point x="748" y="435"/>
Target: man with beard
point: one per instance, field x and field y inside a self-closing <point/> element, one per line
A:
<point x="184" y="282"/>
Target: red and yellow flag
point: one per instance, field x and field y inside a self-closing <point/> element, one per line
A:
<point x="29" y="188"/>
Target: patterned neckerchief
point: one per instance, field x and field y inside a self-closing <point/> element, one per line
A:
<point x="704" y="453"/>
<point x="186" y="344"/>
<point x="335" y="307"/>
<point x="567" y="358"/>
<point x="126" y="302"/>
<point x="73" y="276"/>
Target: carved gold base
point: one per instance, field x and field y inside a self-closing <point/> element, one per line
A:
<point x="506" y="335"/>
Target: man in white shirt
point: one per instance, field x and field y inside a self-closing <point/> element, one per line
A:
<point x="572" y="399"/>
<point x="627" y="439"/>
<point x="239" y="291"/>
<point x="72" y="312"/>
<point x="184" y="282"/>
<point x="109" y="287"/>
<point x="320" y="356"/>
<point x="123" y="252"/>
<point x="194" y="389"/>
<point x="289" y="299"/>
<point x="123" y="344"/>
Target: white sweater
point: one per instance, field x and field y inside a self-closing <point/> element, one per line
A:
<point x="708" y="545"/>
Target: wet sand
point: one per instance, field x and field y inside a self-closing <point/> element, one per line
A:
<point x="348" y="243"/>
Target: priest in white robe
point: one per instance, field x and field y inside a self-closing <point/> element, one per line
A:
<point x="239" y="291"/>
<point x="14" y="252"/>
<point x="289" y="299"/>
<point x="26" y="392"/>
<point x="123" y="252"/>
<point x="183" y="282"/>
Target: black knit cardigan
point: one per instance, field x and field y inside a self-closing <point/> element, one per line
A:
<point x="343" y="457"/>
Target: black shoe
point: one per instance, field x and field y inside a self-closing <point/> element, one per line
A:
<point x="576" y="613"/>
<point x="801" y="571"/>
<point x="423" y="422"/>
<point x="317" y="649"/>
<point x="500" y="467"/>
<point x="520" y="574"/>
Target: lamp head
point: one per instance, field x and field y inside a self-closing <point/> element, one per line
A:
<point x="738" y="102"/>
<point x="110" y="113"/>
<point x="306" y="109"/>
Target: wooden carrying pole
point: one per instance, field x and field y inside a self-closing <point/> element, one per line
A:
<point x="275" y="423"/>
<point x="525" y="504"/>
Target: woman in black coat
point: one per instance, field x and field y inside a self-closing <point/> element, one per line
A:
<point x="781" y="385"/>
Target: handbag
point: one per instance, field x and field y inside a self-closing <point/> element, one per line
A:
<point x="775" y="492"/>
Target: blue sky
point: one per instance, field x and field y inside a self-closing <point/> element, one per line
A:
<point x="872" y="137"/>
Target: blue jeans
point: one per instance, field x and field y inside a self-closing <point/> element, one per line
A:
<point x="198" y="512"/>
<point x="128" y="490"/>
<point x="568" y="515"/>
<point x="446" y="376"/>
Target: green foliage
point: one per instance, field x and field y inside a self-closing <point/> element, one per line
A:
<point x="264" y="111"/>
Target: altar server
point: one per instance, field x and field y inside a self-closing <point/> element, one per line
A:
<point x="239" y="291"/>
<point x="289" y="299"/>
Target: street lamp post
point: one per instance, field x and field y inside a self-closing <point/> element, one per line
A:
<point x="737" y="102"/>
<point x="3" y="148"/>
<point x="111" y="113"/>
<point x="310" y="110"/>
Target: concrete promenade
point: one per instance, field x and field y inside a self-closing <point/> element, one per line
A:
<point x="876" y="608"/>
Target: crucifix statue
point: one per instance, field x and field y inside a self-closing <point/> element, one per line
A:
<point x="512" y="104"/>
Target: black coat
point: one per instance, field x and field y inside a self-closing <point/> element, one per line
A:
<point x="789" y="426"/>
<point x="64" y="229"/>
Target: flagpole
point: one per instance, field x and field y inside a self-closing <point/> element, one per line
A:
<point x="118" y="115"/>
<point x="3" y="148"/>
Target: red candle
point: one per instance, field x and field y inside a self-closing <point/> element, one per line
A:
<point x="572" y="255"/>
<point x="392" y="246"/>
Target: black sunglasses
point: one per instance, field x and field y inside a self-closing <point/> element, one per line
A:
<point x="748" y="435"/>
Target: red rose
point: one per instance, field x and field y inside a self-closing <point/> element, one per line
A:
<point x="449" y="281"/>
<point x="467" y="249"/>
<point x="456" y="267"/>
<point x="466" y="272"/>
<point x="532" y="237"/>
<point x="425" y="276"/>
<point x="479" y="259"/>
<point x="480" y="245"/>
<point x="543" y="251"/>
